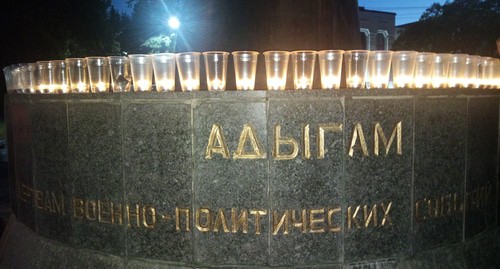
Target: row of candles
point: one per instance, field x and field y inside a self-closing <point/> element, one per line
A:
<point x="363" y="69"/>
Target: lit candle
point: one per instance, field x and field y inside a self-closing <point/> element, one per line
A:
<point x="303" y="83"/>
<point x="216" y="85"/>
<point x="330" y="82"/>
<point x="403" y="81"/>
<point x="275" y="83"/>
<point x="378" y="82"/>
<point x="142" y="85"/>
<point x="191" y="84"/>
<point x="421" y="82"/>
<point x="439" y="82"/>
<point x="165" y="85"/>
<point x="100" y="87"/>
<point x="355" y="81"/>
<point x="245" y="84"/>
<point x="81" y="87"/>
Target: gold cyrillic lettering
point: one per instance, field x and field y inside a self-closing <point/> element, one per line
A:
<point x="134" y="214"/>
<point x="358" y="132"/>
<point x="216" y="143"/>
<point x="78" y="208"/>
<point x="249" y="134"/>
<point x="91" y="210"/>
<point x="220" y="219"/>
<point x="370" y="217"/>
<point x="178" y="212"/>
<point x="241" y="221"/>
<point x="203" y="227"/>
<point x="387" y="218"/>
<point x="396" y="132"/>
<point x="102" y="213"/>
<point x="116" y="214"/>
<point x="332" y="127"/>
<point x="278" y="141"/>
<point x="258" y="214"/>
<point x="313" y="221"/>
<point x="152" y="216"/>
<point x="331" y="226"/>
<point x="306" y="142"/>
<point x="39" y="199"/>
<point x="58" y="206"/>
<point x="302" y="223"/>
<point x="283" y="221"/>
<point x="352" y="218"/>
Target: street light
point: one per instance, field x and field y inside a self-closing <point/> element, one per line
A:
<point x="174" y="23"/>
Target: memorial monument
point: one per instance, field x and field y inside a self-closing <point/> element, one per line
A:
<point x="348" y="178"/>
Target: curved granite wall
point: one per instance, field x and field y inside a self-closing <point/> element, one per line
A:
<point x="349" y="178"/>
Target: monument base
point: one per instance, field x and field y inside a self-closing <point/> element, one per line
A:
<point x="304" y="179"/>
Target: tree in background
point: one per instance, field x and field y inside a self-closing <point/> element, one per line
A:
<point x="461" y="26"/>
<point x="56" y="29"/>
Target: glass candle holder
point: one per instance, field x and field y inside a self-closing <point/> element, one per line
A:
<point x="486" y="72"/>
<point x="28" y="77"/>
<point x="456" y="73"/>
<point x="216" y="69"/>
<point x="423" y="70"/>
<point x="98" y="73"/>
<point x="45" y="79"/>
<point x="356" y="65"/>
<point x="330" y="67"/>
<point x="303" y="69"/>
<point x="78" y="75"/>
<point x="8" y="79"/>
<point x="164" y="71"/>
<point x="403" y="67"/>
<point x="441" y="65"/>
<point x="189" y="70"/>
<point x="471" y="72"/>
<point x="119" y="68"/>
<point x="61" y="80"/>
<point x="245" y="68"/>
<point x="276" y="69"/>
<point x="17" y="77"/>
<point x="142" y="72"/>
<point x="379" y="67"/>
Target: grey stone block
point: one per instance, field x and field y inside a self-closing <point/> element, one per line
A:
<point x="240" y="184"/>
<point x="305" y="179"/>
<point x="378" y="173"/>
<point x="157" y="172"/>
<point x="50" y="157"/>
<point x="482" y="162"/>
<point x="95" y="163"/>
<point x="439" y="174"/>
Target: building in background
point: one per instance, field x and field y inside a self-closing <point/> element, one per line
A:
<point x="377" y="29"/>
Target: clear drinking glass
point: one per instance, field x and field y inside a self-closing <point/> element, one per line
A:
<point x="189" y="70"/>
<point x="423" y="70"/>
<point x="216" y="69"/>
<point x="164" y="71"/>
<point x="403" y="67"/>
<point x="379" y="67"/>
<point x="245" y="68"/>
<point x="276" y="69"/>
<point x="441" y="65"/>
<point x="303" y="69"/>
<point x="120" y="73"/>
<point x="142" y="72"/>
<point x="98" y="73"/>
<point x="61" y="80"/>
<point x="456" y="73"/>
<point x="330" y="67"/>
<point x="356" y="64"/>
<point x="78" y="74"/>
